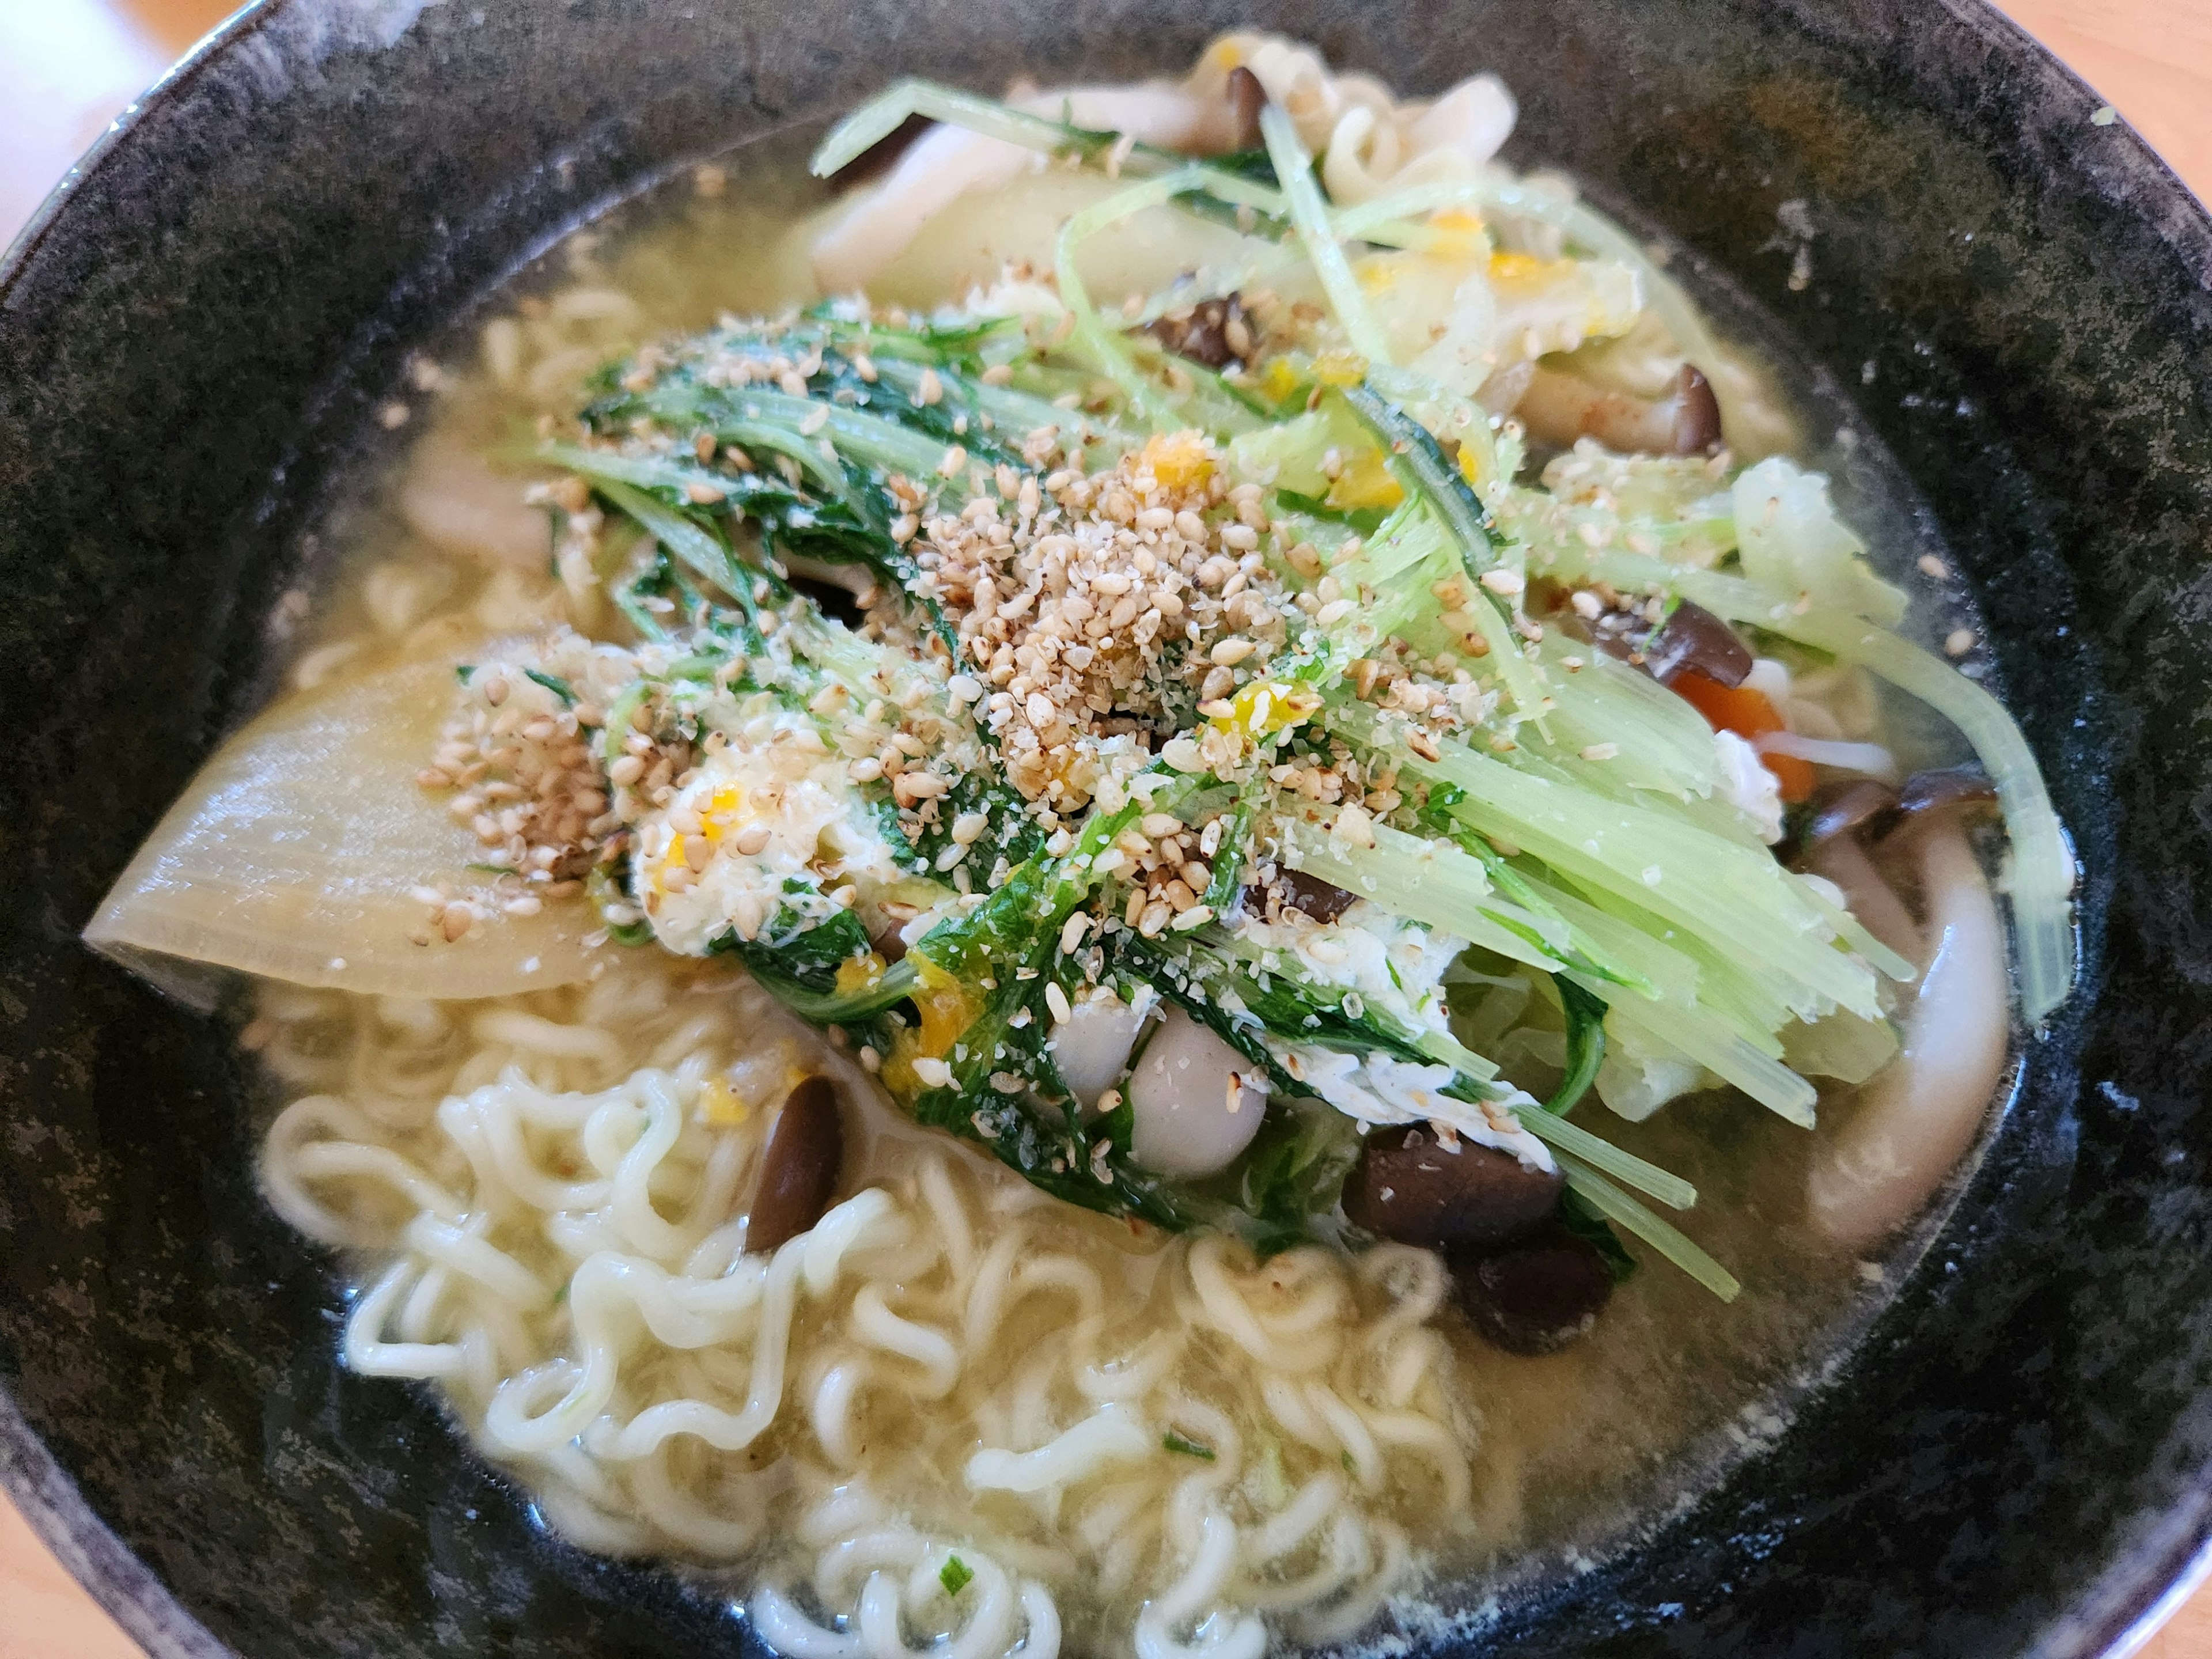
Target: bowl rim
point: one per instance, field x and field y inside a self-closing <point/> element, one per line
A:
<point x="2140" y="1589"/>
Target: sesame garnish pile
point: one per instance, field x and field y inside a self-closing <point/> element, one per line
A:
<point x="1093" y="608"/>
<point x="518" y="756"/>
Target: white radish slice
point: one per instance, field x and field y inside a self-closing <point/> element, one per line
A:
<point x="1915" y="1120"/>
<point x="293" y="853"/>
<point x="453" y="498"/>
<point x="1197" y="1102"/>
<point x="969" y="242"/>
<point x="1091" y="1047"/>
<point x="869" y="231"/>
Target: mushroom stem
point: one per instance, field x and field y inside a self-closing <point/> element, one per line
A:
<point x="1914" y="1122"/>
<point x="1559" y="407"/>
<point x="1868" y="897"/>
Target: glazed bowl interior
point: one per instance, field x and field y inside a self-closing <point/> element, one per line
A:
<point x="194" y="339"/>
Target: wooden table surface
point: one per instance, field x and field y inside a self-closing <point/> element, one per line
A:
<point x="66" y="66"/>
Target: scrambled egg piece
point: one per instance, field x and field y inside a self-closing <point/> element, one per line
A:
<point x="763" y="826"/>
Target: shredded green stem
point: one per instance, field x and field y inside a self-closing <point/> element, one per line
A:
<point x="1097" y="342"/>
<point x="2043" y="865"/>
<point x="1570" y="1138"/>
<point x="1309" y="218"/>
<point x="1615" y="1205"/>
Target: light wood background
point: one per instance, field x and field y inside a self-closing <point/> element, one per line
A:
<point x="67" y="66"/>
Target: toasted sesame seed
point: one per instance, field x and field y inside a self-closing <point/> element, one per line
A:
<point x="1353" y="825"/>
<point x="1958" y="642"/>
<point x="1056" y="1000"/>
<point x="1228" y="653"/>
<point x="751" y="840"/>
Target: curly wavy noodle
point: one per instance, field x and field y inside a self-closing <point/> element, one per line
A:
<point x="1159" y="1436"/>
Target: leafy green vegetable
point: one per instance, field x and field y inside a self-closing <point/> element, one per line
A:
<point x="1471" y="769"/>
<point x="553" y="683"/>
<point x="1175" y="1442"/>
<point x="1585" y="1045"/>
<point x="954" y="1574"/>
<point x="1577" y="1216"/>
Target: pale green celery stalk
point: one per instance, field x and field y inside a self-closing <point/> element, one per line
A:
<point x="1503" y="656"/>
<point x="1615" y="1205"/>
<point x="1093" y="337"/>
<point x="1663" y="743"/>
<point x="2042" y="879"/>
<point x="1443" y="1046"/>
<point x="1444" y="410"/>
<point x="1571" y="1139"/>
<point x="1408" y="551"/>
<point x="1697" y="1035"/>
<point x="704" y="554"/>
<point x="1733" y="894"/>
<point x="2042" y="884"/>
<point x="1736" y="897"/>
<point x="1732" y="990"/>
<point x="1713" y="816"/>
<point x="1361" y="221"/>
<point x="1309" y="217"/>
<point x="1432" y="883"/>
<point x="1422" y="471"/>
<point x="1698" y="1010"/>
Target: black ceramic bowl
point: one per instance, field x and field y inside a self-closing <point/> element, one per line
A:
<point x="192" y="338"/>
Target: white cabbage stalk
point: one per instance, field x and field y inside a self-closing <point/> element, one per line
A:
<point x="293" y="853"/>
<point x="1792" y="542"/>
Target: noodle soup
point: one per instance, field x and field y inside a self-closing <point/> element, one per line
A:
<point x="1024" y="960"/>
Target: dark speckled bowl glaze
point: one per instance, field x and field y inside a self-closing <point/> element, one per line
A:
<point x="191" y="338"/>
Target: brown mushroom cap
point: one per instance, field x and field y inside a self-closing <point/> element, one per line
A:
<point x="799" y="1172"/>
<point x="1950" y="785"/>
<point x="1201" y="332"/>
<point x="1849" y="808"/>
<point x="1697" y="413"/>
<point x="1407" y="1186"/>
<point x="1248" y="96"/>
<point x="1535" y="1295"/>
<point x="1872" y="811"/>
<point x="1693" y="638"/>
